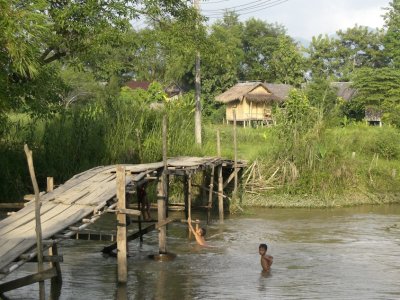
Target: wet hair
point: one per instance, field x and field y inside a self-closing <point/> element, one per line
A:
<point x="203" y="231"/>
<point x="264" y="246"/>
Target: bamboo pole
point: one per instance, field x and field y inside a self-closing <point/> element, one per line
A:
<point x="162" y="189"/>
<point x="162" y="233"/>
<point x="189" y="199"/>
<point x="185" y="194"/>
<point x="220" y="194"/>
<point x="210" y="194"/>
<point x="218" y="144"/>
<point x="56" y="281"/>
<point x="39" y="246"/>
<point x="235" y="154"/>
<point x="190" y="195"/>
<point x="50" y="184"/>
<point x="140" y="218"/>
<point x="121" y="227"/>
<point x="197" y="112"/>
<point x="53" y="250"/>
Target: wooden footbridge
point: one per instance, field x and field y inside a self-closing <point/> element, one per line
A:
<point x="70" y="208"/>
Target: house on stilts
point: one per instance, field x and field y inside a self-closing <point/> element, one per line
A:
<point x="252" y="102"/>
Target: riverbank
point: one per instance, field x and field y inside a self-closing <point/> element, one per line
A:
<point x="326" y="166"/>
<point x="332" y="167"/>
<point x="312" y="201"/>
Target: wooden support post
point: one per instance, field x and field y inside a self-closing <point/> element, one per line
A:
<point x="186" y="195"/>
<point x="189" y="199"/>
<point x="190" y="196"/>
<point x="56" y="281"/>
<point x="162" y="191"/>
<point x="165" y="174"/>
<point x="140" y="217"/>
<point x="50" y="184"/>
<point x="220" y="193"/>
<point x="121" y="227"/>
<point x="218" y="144"/>
<point x="162" y="230"/>
<point x="53" y="251"/>
<point x="210" y="194"/>
<point x="39" y="246"/>
<point x="235" y="155"/>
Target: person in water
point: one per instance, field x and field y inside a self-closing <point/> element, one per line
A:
<point x="266" y="260"/>
<point x="144" y="202"/>
<point x="199" y="233"/>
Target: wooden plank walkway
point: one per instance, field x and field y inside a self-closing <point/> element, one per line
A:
<point x="81" y="196"/>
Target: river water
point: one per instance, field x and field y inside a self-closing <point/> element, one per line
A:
<point x="346" y="253"/>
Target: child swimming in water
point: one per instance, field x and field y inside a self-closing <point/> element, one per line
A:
<point x="199" y="233"/>
<point x="266" y="260"/>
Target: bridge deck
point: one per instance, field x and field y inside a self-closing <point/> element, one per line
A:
<point x="79" y="197"/>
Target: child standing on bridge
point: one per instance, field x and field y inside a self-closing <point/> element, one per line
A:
<point x="266" y="260"/>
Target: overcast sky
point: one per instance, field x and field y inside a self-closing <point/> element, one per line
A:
<point x="304" y="18"/>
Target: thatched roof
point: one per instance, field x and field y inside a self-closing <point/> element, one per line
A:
<point x="344" y="90"/>
<point x="280" y="90"/>
<point x="274" y="92"/>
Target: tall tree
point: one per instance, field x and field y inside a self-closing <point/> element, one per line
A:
<point x="223" y="55"/>
<point x="338" y="57"/>
<point x="379" y="88"/>
<point x="322" y="61"/>
<point x="71" y="31"/>
<point x="358" y="47"/>
<point x="392" y="37"/>
<point x="287" y="63"/>
<point x="260" y="39"/>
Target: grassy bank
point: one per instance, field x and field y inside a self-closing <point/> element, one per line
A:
<point x="78" y="139"/>
<point x="339" y="166"/>
<point x="319" y="167"/>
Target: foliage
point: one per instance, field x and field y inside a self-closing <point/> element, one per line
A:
<point x="287" y="63"/>
<point x="379" y="88"/>
<point x="260" y="39"/>
<point x="359" y="47"/>
<point x="323" y="96"/>
<point x="392" y="37"/>
<point x="339" y="56"/>
<point x="297" y="116"/>
<point x="221" y="62"/>
<point x="321" y="60"/>
<point x="90" y="35"/>
<point x="92" y="134"/>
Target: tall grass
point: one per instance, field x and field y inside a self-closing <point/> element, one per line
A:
<point x="100" y="133"/>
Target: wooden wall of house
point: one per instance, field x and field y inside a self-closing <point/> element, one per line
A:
<point x="246" y="111"/>
<point x="240" y="110"/>
<point x="249" y="110"/>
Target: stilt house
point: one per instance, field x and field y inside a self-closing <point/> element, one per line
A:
<point x="253" y="101"/>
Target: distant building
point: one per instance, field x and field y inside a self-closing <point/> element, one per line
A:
<point x="373" y="115"/>
<point x="253" y="101"/>
<point x="133" y="84"/>
<point x="172" y="90"/>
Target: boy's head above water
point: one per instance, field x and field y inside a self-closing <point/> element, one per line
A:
<point x="201" y="231"/>
<point x="262" y="249"/>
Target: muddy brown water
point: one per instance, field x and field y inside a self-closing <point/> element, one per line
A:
<point x="346" y="253"/>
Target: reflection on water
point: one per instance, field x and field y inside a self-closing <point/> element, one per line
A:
<point x="318" y="254"/>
